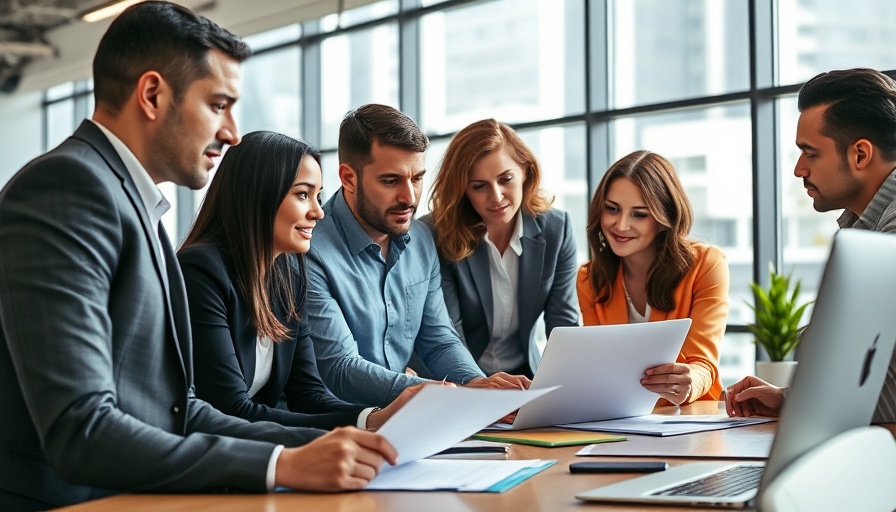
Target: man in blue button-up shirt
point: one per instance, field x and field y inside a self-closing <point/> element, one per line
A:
<point x="375" y="293"/>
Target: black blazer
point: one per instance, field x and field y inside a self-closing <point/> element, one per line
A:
<point x="96" y="369"/>
<point x="547" y="273"/>
<point x="224" y="340"/>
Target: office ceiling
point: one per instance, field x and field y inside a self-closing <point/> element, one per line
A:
<point x="23" y="28"/>
<point x="44" y="42"/>
<point x="24" y="24"/>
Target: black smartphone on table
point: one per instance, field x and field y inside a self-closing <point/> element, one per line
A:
<point x="618" y="467"/>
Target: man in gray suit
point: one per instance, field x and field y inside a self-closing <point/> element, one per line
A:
<point x="95" y="360"/>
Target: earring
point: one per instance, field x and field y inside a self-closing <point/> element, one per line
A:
<point x="602" y="242"/>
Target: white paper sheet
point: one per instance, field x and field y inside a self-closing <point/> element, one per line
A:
<point x="666" y="425"/>
<point x="450" y="475"/>
<point x="440" y="416"/>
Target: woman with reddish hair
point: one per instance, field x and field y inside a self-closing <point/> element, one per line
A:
<point x="507" y="256"/>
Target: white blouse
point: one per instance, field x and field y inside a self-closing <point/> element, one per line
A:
<point x="633" y="316"/>
<point x="264" y="362"/>
<point x="502" y="352"/>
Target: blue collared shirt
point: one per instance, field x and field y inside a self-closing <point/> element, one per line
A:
<point x="368" y="314"/>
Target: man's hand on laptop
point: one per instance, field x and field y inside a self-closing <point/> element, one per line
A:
<point x="500" y="380"/>
<point x="753" y="396"/>
<point x="670" y="381"/>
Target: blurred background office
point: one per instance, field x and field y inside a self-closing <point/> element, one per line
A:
<point x="710" y="84"/>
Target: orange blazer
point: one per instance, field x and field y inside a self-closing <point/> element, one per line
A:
<point x="702" y="296"/>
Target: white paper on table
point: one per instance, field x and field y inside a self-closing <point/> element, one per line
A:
<point x="451" y="475"/>
<point x="666" y="425"/>
<point x="439" y="416"/>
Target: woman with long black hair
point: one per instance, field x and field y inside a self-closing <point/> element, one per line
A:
<point x="244" y="270"/>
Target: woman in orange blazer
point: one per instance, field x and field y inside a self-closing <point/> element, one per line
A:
<point x="645" y="269"/>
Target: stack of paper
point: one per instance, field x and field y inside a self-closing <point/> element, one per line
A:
<point x="440" y="416"/>
<point x="457" y="475"/>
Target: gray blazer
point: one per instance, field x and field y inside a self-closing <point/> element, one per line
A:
<point x="96" y="368"/>
<point x="546" y="284"/>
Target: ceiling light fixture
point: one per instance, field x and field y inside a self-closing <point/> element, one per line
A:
<point x="26" y="49"/>
<point x="107" y="10"/>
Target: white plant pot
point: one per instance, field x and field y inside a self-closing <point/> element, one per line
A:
<point x="778" y="373"/>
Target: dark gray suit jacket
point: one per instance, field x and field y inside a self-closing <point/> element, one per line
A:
<point x="95" y="360"/>
<point x="547" y="273"/>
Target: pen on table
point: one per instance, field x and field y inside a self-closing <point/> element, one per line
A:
<point x="444" y="379"/>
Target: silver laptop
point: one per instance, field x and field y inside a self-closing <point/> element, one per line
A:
<point x="599" y="370"/>
<point x="843" y="360"/>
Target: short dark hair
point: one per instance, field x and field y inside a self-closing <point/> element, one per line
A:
<point x="861" y="104"/>
<point x="160" y="36"/>
<point x="237" y="215"/>
<point x="381" y="123"/>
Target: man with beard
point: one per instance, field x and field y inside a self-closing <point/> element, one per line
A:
<point x="96" y="374"/>
<point x="374" y="296"/>
<point x="847" y="139"/>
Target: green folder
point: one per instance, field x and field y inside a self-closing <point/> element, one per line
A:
<point x="549" y="439"/>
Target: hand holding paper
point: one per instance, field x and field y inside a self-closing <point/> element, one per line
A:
<point x="438" y="417"/>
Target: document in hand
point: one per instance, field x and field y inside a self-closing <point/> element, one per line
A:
<point x="600" y="368"/>
<point x="440" y="416"/>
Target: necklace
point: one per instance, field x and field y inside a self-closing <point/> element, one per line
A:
<point x="625" y="289"/>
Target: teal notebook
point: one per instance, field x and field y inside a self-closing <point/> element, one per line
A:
<point x="441" y="475"/>
<point x="520" y="476"/>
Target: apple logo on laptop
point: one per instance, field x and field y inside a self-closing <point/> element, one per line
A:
<point x="866" y="368"/>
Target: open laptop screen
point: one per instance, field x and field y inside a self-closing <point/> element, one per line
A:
<point x="843" y="359"/>
<point x="844" y="353"/>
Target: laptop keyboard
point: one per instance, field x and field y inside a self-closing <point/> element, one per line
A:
<point x="729" y="482"/>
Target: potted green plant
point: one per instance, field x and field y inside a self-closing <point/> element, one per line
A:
<point x="777" y="326"/>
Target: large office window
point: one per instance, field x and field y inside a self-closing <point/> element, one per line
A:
<point x="664" y="50"/>
<point x="357" y="68"/>
<point x="65" y="106"/>
<point x="709" y="84"/>
<point x="271" y="93"/>
<point x="820" y="35"/>
<point x="512" y="60"/>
